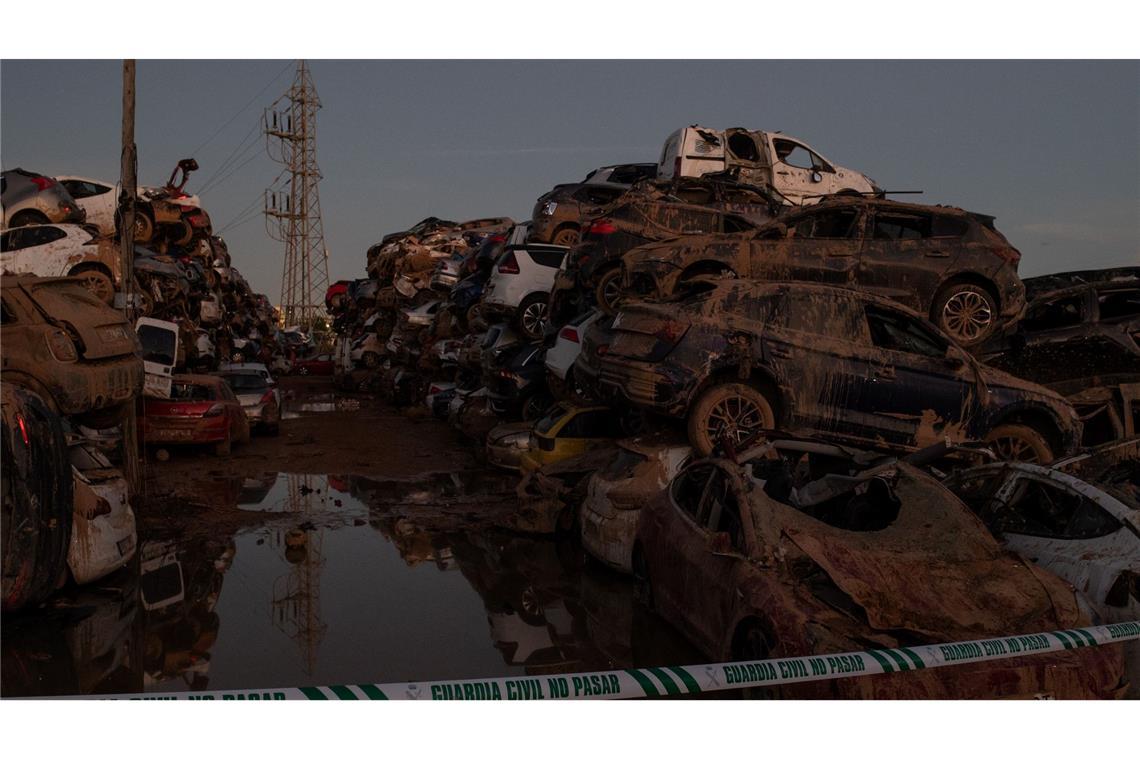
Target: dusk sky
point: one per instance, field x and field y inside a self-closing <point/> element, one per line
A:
<point x="1052" y="149"/>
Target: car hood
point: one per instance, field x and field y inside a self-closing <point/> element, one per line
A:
<point x="910" y="577"/>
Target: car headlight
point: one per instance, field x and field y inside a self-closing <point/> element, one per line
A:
<point x="549" y="208"/>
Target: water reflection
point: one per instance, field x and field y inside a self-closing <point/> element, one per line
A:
<point x="326" y="590"/>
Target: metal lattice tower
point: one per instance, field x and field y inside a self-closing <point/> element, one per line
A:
<point x="296" y="606"/>
<point x="293" y="208"/>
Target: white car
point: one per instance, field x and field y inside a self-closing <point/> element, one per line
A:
<point x="616" y="493"/>
<point x="99" y="198"/>
<point x="799" y="174"/>
<point x="61" y="250"/>
<point x="103" y="536"/>
<point x="520" y="284"/>
<point x="257" y="367"/>
<point x="1087" y="534"/>
<point x="560" y="357"/>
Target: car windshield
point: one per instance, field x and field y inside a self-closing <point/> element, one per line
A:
<point x="245" y="381"/>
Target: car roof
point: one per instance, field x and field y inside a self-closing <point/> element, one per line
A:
<point x="210" y="380"/>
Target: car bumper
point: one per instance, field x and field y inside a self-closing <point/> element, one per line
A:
<point x="190" y="430"/>
<point x="652" y="387"/>
<point x="88" y="386"/>
<point x="608" y="533"/>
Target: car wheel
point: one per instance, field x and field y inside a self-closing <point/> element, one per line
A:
<point x="303" y="371"/>
<point x="224" y="447"/>
<point x="24" y="218"/>
<point x="473" y="314"/>
<point x="1019" y="443"/>
<point x="531" y="316"/>
<point x="181" y="233"/>
<point x="97" y="282"/>
<point x="967" y="312"/>
<point x="566" y="236"/>
<point x="608" y="291"/>
<point x="144" y="227"/>
<point x="734" y="411"/>
<point x="642" y="587"/>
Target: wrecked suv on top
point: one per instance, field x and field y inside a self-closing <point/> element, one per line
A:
<point x="950" y="264"/>
<point x="831" y="362"/>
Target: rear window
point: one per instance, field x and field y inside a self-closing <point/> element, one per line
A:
<point x="191" y="392"/>
<point x="246" y="382"/>
<point x="158" y="344"/>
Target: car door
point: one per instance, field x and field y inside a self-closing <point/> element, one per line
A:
<point x="159" y="340"/>
<point x="35" y="250"/>
<point x="799" y="174"/>
<point x="820" y="245"/>
<point x="920" y="387"/>
<point x="97" y="199"/>
<point x="907" y="253"/>
<point x="1051" y="523"/>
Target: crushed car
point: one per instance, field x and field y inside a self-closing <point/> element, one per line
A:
<point x="559" y="215"/>
<point x="63" y="250"/>
<point x="31" y="198"/>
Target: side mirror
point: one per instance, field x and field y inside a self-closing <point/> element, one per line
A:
<point x="816" y="177"/>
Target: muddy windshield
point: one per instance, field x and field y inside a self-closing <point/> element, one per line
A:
<point x="158" y="344"/>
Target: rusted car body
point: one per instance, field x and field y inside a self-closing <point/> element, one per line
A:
<point x="1081" y="337"/>
<point x="77" y="353"/>
<point x="821" y="361"/>
<point x="652" y="211"/>
<point x="949" y="264"/>
<point x="745" y="575"/>
<point x="560" y="214"/>
<point x="615" y="494"/>
<point x="63" y="250"/>
<point x="201" y="410"/>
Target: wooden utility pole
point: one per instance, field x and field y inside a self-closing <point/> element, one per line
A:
<point x="128" y="182"/>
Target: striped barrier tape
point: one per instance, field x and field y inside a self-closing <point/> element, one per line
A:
<point x="695" y="679"/>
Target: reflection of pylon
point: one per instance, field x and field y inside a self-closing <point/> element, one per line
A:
<point x="297" y="596"/>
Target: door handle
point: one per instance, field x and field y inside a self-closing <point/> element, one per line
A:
<point x="884" y="373"/>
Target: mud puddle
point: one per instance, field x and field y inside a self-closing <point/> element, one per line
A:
<point x="330" y="590"/>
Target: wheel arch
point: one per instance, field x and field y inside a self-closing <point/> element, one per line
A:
<point x="1040" y="418"/>
<point x="706" y="266"/>
<point x="760" y="377"/>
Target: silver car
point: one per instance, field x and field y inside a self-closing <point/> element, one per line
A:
<point x="30" y="198"/>
<point x="259" y="398"/>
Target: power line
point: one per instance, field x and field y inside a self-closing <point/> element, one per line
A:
<point x="243" y="145"/>
<point x="243" y="108"/>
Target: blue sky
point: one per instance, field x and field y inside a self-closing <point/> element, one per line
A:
<point x="1050" y="148"/>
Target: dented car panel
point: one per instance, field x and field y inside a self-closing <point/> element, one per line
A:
<point x="746" y="576"/>
<point x="103" y="537"/>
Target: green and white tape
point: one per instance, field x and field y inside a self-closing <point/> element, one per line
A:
<point x="695" y="679"/>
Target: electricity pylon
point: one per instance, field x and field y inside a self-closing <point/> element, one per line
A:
<point x="293" y="209"/>
<point x="297" y="595"/>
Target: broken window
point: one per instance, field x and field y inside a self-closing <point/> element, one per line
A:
<point x="794" y="154"/>
<point x="741" y="145"/>
<point x="689" y="489"/>
<point x="628" y="175"/>
<point x="724" y="511"/>
<point x="1055" y="314"/>
<point x="831" y="224"/>
<point x="901" y="227"/>
<point x="80" y="189"/>
<point x="599" y="196"/>
<point x="1119" y="304"/>
<point x="895" y="331"/>
<point x="1041" y="509"/>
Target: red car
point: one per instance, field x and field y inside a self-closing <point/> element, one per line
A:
<point x="201" y="410"/>
<point x="321" y="364"/>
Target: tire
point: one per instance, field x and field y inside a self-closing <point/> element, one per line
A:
<point x="530" y="319"/>
<point x="965" y="311"/>
<point x="566" y="236"/>
<point x="26" y="217"/>
<point x="144" y="227"/>
<point x="224" y="447"/>
<point x="1019" y="443"/>
<point x="474" y="312"/>
<point x="303" y="371"/>
<point x="732" y="409"/>
<point x="97" y="281"/>
<point x="642" y="586"/>
<point x="181" y="233"/>
<point x="37" y="495"/>
<point x="608" y="291"/>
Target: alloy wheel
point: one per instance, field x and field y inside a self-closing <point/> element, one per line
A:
<point x="734" y="417"/>
<point x="967" y="315"/>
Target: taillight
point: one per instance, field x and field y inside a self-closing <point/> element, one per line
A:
<point x="42" y="183"/>
<point x="601" y="227"/>
<point x="215" y="411"/>
<point x="509" y="264"/>
<point x="569" y="333"/>
<point x="498" y="238"/>
<point x="23" y="429"/>
<point x="61" y="347"/>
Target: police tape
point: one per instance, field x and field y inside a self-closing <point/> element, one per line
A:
<point x="694" y="679"/>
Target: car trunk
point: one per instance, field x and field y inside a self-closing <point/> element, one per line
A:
<point x="102" y="332"/>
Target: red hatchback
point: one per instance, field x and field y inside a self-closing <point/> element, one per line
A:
<point x="201" y="410"/>
<point x="321" y="364"/>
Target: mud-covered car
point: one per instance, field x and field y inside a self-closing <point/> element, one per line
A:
<point x="559" y="214"/>
<point x="949" y="264"/>
<point x="724" y="556"/>
<point x="31" y="198"/>
<point x="63" y="250"/>
<point x="829" y="362"/>
<point x="652" y="212"/>
<point x="73" y="350"/>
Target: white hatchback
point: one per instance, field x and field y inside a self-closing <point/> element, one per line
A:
<point x="520" y="285"/>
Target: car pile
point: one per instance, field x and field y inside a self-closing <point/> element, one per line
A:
<point x="746" y="361"/>
<point x="74" y="366"/>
